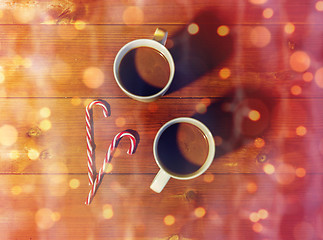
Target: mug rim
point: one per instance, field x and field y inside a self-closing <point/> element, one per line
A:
<point x="144" y="43"/>
<point x="209" y="159"/>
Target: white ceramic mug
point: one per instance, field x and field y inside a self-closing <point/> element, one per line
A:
<point x="165" y="174"/>
<point x="157" y="43"/>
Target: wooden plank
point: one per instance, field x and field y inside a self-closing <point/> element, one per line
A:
<point x="290" y="131"/>
<point x="51" y="207"/>
<point x="156" y="11"/>
<point x="51" y="61"/>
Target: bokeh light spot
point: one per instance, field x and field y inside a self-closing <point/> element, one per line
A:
<point x="319" y="6"/>
<point x="107" y="211"/>
<point x="319" y="77"/>
<point x="199" y="212"/>
<point x="258" y="2"/>
<point x="79" y="25"/>
<point x="44" y="219"/>
<point x="8" y="135"/>
<point x="301" y="130"/>
<point x="193" y="28"/>
<point x="300" y="172"/>
<point x="93" y="77"/>
<point x="254" y="115"/>
<point x="24" y="14"/>
<point x="252" y="187"/>
<point x="263" y="214"/>
<point x="289" y="28"/>
<point x="133" y="15"/>
<point x="120" y="121"/>
<point x="108" y="168"/>
<point x="259" y="142"/>
<point x="269" y="168"/>
<point x="299" y="61"/>
<point x="285" y="174"/>
<point x="16" y="190"/>
<point x="308" y="76"/>
<point x="208" y="177"/>
<point x="33" y="154"/>
<point x="200" y="108"/>
<point x="56" y="216"/>
<point x="45" y="112"/>
<point x="14" y="154"/>
<point x="257" y="227"/>
<point x="2" y="77"/>
<point x="260" y="36"/>
<point x="253" y="217"/>
<point x="169" y="220"/>
<point x="76" y="101"/>
<point x="223" y="30"/>
<point x="218" y="140"/>
<point x="268" y="13"/>
<point x="45" y="125"/>
<point x="296" y="90"/>
<point x="74" y="183"/>
<point x="225" y="73"/>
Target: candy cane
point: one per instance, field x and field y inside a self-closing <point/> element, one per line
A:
<point x="89" y="134"/>
<point x="107" y="160"/>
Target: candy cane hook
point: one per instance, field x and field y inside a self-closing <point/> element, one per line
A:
<point x="107" y="160"/>
<point x="89" y="135"/>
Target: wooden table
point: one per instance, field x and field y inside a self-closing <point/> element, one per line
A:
<point x="250" y="70"/>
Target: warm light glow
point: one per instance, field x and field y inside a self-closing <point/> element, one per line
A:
<point x="218" y="140"/>
<point x="24" y="14"/>
<point x="45" y="125"/>
<point x="296" y="90"/>
<point x="16" y="190"/>
<point x="299" y="61"/>
<point x="300" y="172"/>
<point x="254" y="115"/>
<point x="269" y="168"/>
<point x="56" y="216"/>
<point x="44" y="219"/>
<point x="252" y="187"/>
<point x="263" y="214"/>
<point x="133" y="15"/>
<point x="319" y="6"/>
<point x="258" y="2"/>
<point x="169" y="220"/>
<point x="93" y="77"/>
<point x="193" y="28"/>
<point x="14" y="154"/>
<point x="289" y="28"/>
<point x="80" y="25"/>
<point x="74" y="183"/>
<point x="301" y="130"/>
<point x="2" y="77"/>
<point x="107" y="211"/>
<point x="225" y="73"/>
<point x="308" y="76"/>
<point x="120" y="121"/>
<point x="33" y="154"/>
<point x="319" y="77"/>
<point x="200" y="108"/>
<point x="259" y="143"/>
<point x="199" y="212"/>
<point x="76" y="101"/>
<point x="206" y="101"/>
<point x="109" y="166"/>
<point x="45" y="112"/>
<point x="257" y="227"/>
<point x="253" y="217"/>
<point x="8" y="135"/>
<point x="260" y="36"/>
<point x="208" y="177"/>
<point x="268" y="13"/>
<point x="223" y="30"/>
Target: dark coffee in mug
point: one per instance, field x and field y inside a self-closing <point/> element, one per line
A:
<point x="182" y="148"/>
<point x="144" y="71"/>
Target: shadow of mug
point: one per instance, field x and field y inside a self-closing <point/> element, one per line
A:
<point x="199" y="52"/>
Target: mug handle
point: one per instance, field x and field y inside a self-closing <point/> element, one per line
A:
<point x="160" y="36"/>
<point x="160" y="181"/>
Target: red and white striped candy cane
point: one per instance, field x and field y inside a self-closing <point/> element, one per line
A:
<point x="107" y="160"/>
<point x="89" y="135"/>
